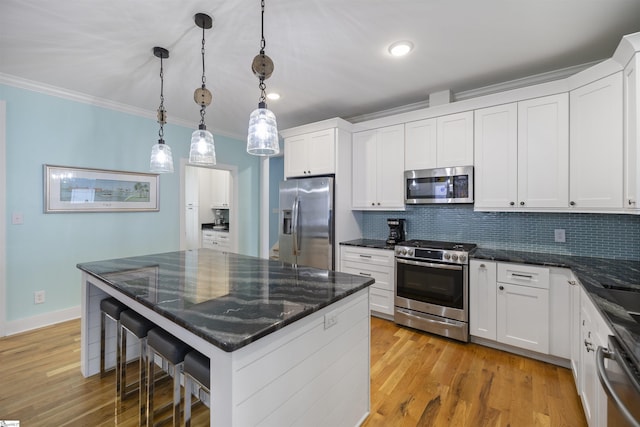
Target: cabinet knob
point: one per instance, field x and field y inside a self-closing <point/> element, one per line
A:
<point x="572" y="203"/>
<point x="373" y="204"/>
<point x="512" y="203"/>
<point x="378" y="203"/>
<point x="483" y="266"/>
<point x="521" y="203"/>
<point x="501" y="287"/>
<point x="572" y="282"/>
<point x="308" y="172"/>
<point x="631" y="202"/>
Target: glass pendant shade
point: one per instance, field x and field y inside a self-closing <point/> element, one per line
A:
<point x="202" y="150"/>
<point x="263" y="132"/>
<point x="161" y="158"/>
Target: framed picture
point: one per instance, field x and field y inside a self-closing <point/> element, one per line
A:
<point x="70" y="189"/>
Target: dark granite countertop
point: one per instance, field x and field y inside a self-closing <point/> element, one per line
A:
<point x="227" y="299"/>
<point x="597" y="276"/>
<point x="369" y="243"/>
<point x="212" y="226"/>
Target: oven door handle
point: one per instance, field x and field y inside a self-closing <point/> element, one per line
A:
<point x="429" y="264"/>
<point x="601" y="354"/>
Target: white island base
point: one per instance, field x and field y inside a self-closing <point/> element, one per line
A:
<point x="313" y="372"/>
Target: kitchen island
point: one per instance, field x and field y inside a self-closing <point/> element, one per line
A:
<point x="287" y="345"/>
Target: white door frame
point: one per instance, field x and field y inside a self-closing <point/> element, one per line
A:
<point x="3" y="222"/>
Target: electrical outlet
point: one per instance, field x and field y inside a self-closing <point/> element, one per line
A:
<point x="330" y="319"/>
<point x="560" y="236"/>
<point x="38" y="297"/>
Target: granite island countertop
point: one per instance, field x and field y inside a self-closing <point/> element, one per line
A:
<point x="596" y="275"/>
<point x="369" y="243"/>
<point x="227" y="299"/>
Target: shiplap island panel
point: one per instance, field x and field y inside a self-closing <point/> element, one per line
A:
<point x="288" y="345"/>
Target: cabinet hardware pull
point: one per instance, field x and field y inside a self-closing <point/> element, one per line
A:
<point x="501" y="287"/>
<point x="572" y="203"/>
<point x="631" y="202"/>
<point x="365" y="274"/>
<point x="365" y="256"/>
<point x="588" y="345"/>
<point x="521" y="203"/>
<point x="572" y="282"/>
<point x="482" y="266"/>
<point x="525" y="276"/>
<point x="512" y="203"/>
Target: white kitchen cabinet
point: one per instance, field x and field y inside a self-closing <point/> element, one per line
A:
<point x="378" y="264"/>
<point x="191" y="227"/>
<point x="192" y="186"/>
<point x="561" y="283"/>
<point x="213" y="239"/>
<point x="310" y="154"/>
<point x="576" y="333"/>
<point x="420" y="145"/>
<point x="543" y="152"/>
<point x="455" y="139"/>
<point x="523" y="306"/>
<point x="220" y="189"/>
<point x="522" y="155"/>
<point x="631" y="86"/>
<point x="595" y="333"/>
<point x="496" y="156"/>
<point x="596" y="146"/>
<point x="440" y="142"/>
<point x="482" y="299"/>
<point x="378" y="169"/>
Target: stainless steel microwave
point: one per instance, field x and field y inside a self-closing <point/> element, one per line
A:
<point x="442" y="185"/>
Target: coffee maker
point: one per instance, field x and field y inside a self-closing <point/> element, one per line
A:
<point x="396" y="230"/>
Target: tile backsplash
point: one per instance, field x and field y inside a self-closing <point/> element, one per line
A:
<point x="591" y="235"/>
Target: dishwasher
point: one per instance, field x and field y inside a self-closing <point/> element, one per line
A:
<point x="621" y="382"/>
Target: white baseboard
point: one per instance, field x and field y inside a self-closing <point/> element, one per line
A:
<point x="41" y="320"/>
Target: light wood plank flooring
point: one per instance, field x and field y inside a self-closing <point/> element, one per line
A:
<point x="416" y="380"/>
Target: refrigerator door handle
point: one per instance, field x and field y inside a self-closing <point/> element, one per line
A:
<point x="296" y="235"/>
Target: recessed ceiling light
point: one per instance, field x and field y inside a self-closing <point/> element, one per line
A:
<point x="401" y="48"/>
<point x="273" y="96"/>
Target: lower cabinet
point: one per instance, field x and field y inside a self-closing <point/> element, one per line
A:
<point x="509" y="303"/>
<point x="594" y="333"/>
<point x="218" y="240"/>
<point x="378" y="264"/>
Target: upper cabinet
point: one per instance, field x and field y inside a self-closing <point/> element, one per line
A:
<point x="596" y="161"/>
<point x="310" y="154"/>
<point x="220" y="180"/>
<point x="445" y="141"/>
<point x="378" y="169"/>
<point x="522" y="154"/>
<point x="631" y="85"/>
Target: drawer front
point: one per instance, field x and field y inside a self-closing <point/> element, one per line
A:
<point x="382" y="275"/>
<point x="381" y="300"/>
<point x="524" y="275"/>
<point x="367" y="255"/>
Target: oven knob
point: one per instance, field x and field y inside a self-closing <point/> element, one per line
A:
<point x="462" y="258"/>
<point x="454" y="257"/>
<point x="410" y="252"/>
<point x="398" y="251"/>
<point x="447" y="256"/>
<point x="404" y="252"/>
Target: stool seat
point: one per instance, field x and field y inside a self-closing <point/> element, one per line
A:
<point x="167" y="346"/>
<point x="136" y="324"/>
<point x="197" y="365"/>
<point x="112" y="307"/>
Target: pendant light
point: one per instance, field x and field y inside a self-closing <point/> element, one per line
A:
<point x="161" y="158"/>
<point x="262" y="139"/>
<point x="202" y="150"/>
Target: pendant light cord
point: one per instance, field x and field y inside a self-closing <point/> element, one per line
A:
<point x="263" y="44"/>
<point x="204" y="79"/>
<point x="161" y="110"/>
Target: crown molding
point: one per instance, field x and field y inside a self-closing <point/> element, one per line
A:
<point x="70" y="95"/>
<point x="483" y="91"/>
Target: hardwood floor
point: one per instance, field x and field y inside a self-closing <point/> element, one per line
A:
<point x="416" y="380"/>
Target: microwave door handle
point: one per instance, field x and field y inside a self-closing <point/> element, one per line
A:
<point x="294" y="225"/>
<point x="601" y="354"/>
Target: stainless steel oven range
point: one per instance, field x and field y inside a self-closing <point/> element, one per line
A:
<point x="432" y="287"/>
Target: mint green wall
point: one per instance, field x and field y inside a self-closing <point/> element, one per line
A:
<point x="43" y="252"/>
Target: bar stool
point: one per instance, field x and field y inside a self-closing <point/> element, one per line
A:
<point x="110" y="308"/>
<point x="172" y="351"/>
<point x="132" y="322"/>
<point x="196" y="369"/>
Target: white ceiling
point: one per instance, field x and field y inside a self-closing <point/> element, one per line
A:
<point x="330" y="55"/>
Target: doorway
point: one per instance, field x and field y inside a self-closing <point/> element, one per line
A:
<point x="208" y="196"/>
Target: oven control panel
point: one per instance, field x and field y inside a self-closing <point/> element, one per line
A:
<point x="450" y="257"/>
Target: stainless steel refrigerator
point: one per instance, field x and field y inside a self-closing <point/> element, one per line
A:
<point x="306" y="226"/>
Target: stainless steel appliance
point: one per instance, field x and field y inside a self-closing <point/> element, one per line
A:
<point x="432" y="287"/>
<point x="306" y="222"/>
<point x="443" y="185"/>
<point x="396" y="230"/>
<point x="621" y="382"/>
